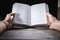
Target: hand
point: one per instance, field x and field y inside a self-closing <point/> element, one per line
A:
<point x="53" y="22"/>
<point x="50" y="19"/>
<point x="9" y="18"/>
<point x="55" y="26"/>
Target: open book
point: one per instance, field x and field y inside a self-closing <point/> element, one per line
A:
<point x="30" y="15"/>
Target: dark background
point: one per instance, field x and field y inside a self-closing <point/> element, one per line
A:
<point x="6" y="6"/>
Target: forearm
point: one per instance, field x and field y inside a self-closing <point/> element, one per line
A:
<point x="57" y="26"/>
<point x="2" y="26"/>
<point x="7" y="22"/>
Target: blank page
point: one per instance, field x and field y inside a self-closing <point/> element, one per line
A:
<point x="22" y="13"/>
<point x="38" y="15"/>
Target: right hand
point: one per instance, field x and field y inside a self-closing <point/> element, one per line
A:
<point x="53" y="22"/>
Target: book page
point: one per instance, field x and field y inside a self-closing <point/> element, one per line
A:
<point x="38" y="15"/>
<point x="22" y="13"/>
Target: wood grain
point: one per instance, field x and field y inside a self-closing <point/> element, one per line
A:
<point x="38" y="33"/>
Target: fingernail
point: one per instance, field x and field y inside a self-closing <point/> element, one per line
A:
<point x="11" y="17"/>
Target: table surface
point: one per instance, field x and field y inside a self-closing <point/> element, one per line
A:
<point x="37" y="33"/>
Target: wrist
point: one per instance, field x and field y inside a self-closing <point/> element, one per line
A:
<point x="6" y="24"/>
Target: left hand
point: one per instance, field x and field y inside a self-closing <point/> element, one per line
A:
<point x="9" y="20"/>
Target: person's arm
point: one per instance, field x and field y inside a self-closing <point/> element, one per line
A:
<point x="53" y="22"/>
<point x="7" y="22"/>
<point x="2" y="26"/>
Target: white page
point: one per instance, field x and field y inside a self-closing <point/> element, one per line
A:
<point x="22" y="13"/>
<point x="38" y="14"/>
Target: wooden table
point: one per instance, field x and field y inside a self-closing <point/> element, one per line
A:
<point x="37" y="33"/>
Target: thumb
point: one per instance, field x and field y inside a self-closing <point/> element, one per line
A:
<point x="51" y="27"/>
<point x="48" y="21"/>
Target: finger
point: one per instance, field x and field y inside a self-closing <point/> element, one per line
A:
<point x="51" y="18"/>
<point x="8" y="17"/>
<point x="48" y="14"/>
<point x="51" y="26"/>
<point x="48" y="21"/>
<point x="12" y="14"/>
